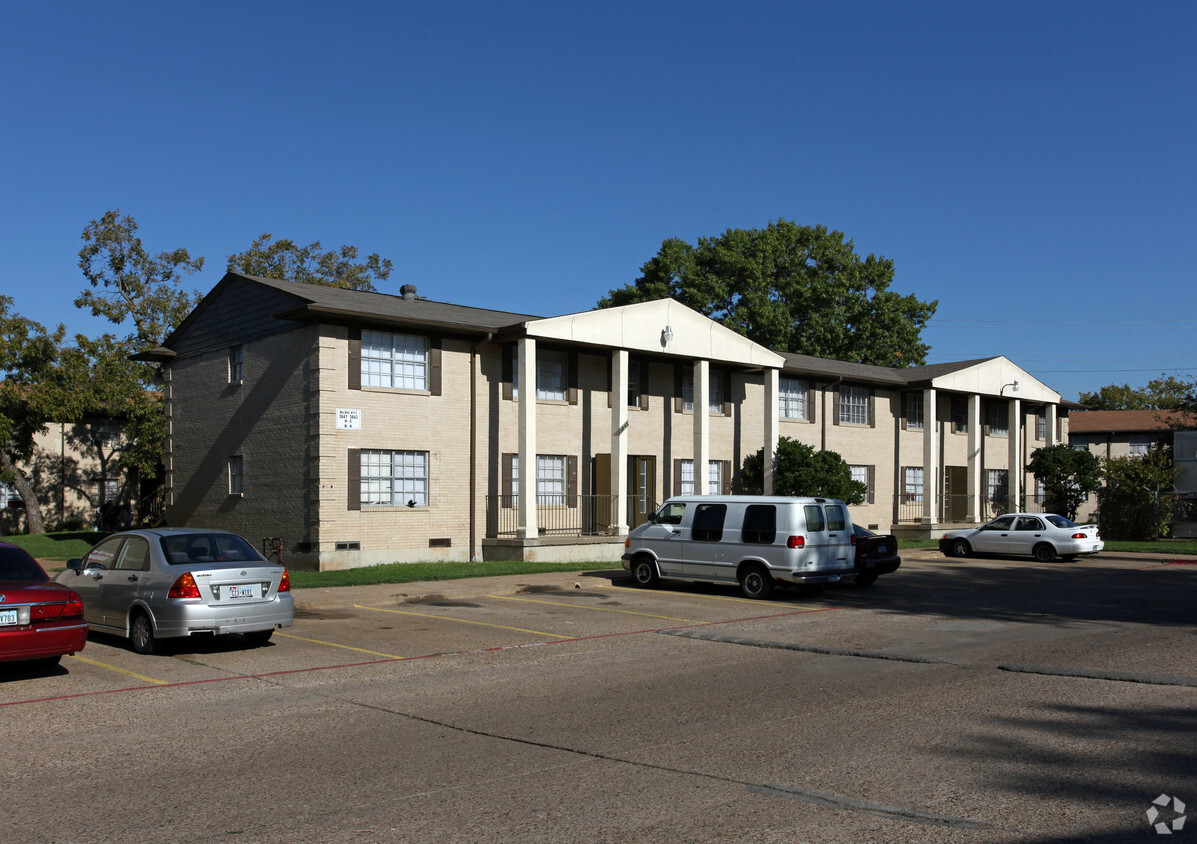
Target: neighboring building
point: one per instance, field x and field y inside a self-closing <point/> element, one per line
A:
<point x="74" y="473"/>
<point x="355" y="428"/>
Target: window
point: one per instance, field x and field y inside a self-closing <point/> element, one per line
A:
<point x="914" y="411"/>
<point x="633" y="386"/>
<point x="864" y="475"/>
<point x="236" y="475"/>
<point x="997" y="419"/>
<point x="1040" y="426"/>
<point x="912" y="484"/>
<point x="716" y="471"/>
<point x="814" y="518"/>
<point x="1040" y="492"/>
<point x="236" y="365"/>
<point x="1140" y="446"/>
<point x="394" y="478"/>
<point x="551" y="382"/>
<point x="997" y="486"/>
<point x="550" y="479"/>
<point x="791" y="398"/>
<point x="854" y="405"/>
<point x="394" y="360"/>
<point x="715" y="477"/>
<point x="959" y="415"/>
<point x="760" y="524"/>
<point x="837" y="517"/>
<point x="686" y="481"/>
<point x="9" y="497"/>
<point x="714" y="391"/>
<point x="708" y="522"/>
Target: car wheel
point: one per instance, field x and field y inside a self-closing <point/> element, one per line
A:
<point x="644" y="572"/>
<point x="755" y="582"/>
<point x="141" y="635"/>
<point x="257" y="638"/>
<point x="959" y="548"/>
<point x="1044" y="553"/>
<point x="866" y="580"/>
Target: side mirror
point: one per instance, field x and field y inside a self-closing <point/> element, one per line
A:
<point x="75" y="565"/>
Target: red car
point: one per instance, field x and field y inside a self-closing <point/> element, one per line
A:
<point x="39" y="620"/>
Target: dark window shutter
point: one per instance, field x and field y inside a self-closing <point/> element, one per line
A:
<point x="872" y="483"/>
<point x="872" y="404"/>
<point x="508" y="374"/>
<point x="727" y="385"/>
<point x="434" y="366"/>
<point x="810" y="401"/>
<point x="572" y="367"/>
<point x="835" y="406"/>
<point x="643" y="384"/>
<point x="355" y="358"/>
<point x="610" y="379"/>
<point x="725" y="474"/>
<point x="508" y="491"/>
<point x="677" y="477"/>
<point x="677" y="389"/>
<point x="571" y="480"/>
<point x="355" y="479"/>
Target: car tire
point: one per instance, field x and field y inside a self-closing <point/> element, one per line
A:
<point x="141" y="635"/>
<point x="1044" y="552"/>
<point x="866" y="580"/>
<point x="959" y="548"/>
<point x="756" y="582"/>
<point x="644" y="572"/>
<point x="258" y="638"/>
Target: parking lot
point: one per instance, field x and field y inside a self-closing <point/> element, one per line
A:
<point x="983" y="700"/>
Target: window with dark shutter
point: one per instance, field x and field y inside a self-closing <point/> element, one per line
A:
<point x="355" y="479"/>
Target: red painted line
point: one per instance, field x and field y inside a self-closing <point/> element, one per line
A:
<point x="471" y="652"/>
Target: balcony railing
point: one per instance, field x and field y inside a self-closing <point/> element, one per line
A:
<point x="956" y="508"/>
<point x="556" y="515"/>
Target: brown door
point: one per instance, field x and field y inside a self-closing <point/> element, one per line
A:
<point x="642" y="488"/>
<point x="956" y="493"/>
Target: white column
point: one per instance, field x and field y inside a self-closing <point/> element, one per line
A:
<point x="1015" y="472"/>
<point x="976" y="436"/>
<point x="772" y="428"/>
<point x="619" y="438"/>
<point x="930" y="458"/>
<point x="528" y="527"/>
<point x="702" y="426"/>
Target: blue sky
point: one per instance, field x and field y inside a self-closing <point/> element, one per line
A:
<point x="1029" y="165"/>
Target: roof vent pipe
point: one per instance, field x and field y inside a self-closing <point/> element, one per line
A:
<point x="408" y="291"/>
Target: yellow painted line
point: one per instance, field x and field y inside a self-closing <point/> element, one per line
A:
<point x="121" y="670"/>
<point x="464" y="621"/>
<point x="753" y="601"/>
<point x="335" y="645"/>
<point x="595" y="609"/>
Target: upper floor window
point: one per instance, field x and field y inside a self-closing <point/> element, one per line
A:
<point x="854" y="405"/>
<point x="551" y="381"/>
<point x="792" y="398"/>
<point x="236" y="475"/>
<point x="394" y="360"/>
<point x="914" y="411"/>
<point x="714" y="391"/>
<point x="959" y="414"/>
<point x="997" y="419"/>
<point x="236" y="365"/>
<point x="1041" y="426"/>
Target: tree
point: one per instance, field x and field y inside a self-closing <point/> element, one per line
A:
<point x="284" y="259"/>
<point x="1131" y="504"/>
<point x="29" y="397"/>
<point x="800" y="470"/>
<point x="1164" y="393"/>
<point x="130" y="284"/>
<point x="791" y="288"/>
<point x="1069" y="476"/>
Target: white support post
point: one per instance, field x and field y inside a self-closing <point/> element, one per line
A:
<point x="702" y="427"/>
<point x="772" y="428"/>
<point x="619" y="439"/>
<point x="930" y="458"/>
<point x="528" y="527"/>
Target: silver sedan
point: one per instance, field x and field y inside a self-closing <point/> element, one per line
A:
<point x="154" y="584"/>
<point x="1042" y="535"/>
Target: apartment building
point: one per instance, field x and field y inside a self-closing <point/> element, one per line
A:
<point x="348" y="428"/>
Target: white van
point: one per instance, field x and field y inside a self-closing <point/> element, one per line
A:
<point x="752" y="540"/>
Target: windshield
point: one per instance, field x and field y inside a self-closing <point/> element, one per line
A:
<point x="1061" y="522"/>
<point x="185" y="548"/>
<point x="15" y="564"/>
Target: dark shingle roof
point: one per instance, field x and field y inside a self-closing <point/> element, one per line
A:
<point x="1109" y="421"/>
<point x="871" y="373"/>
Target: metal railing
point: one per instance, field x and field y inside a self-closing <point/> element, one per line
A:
<point x="957" y="508"/>
<point x="556" y="515"/>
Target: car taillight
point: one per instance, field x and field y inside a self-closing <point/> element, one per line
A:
<point x="1079" y="535"/>
<point x="853" y="542"/>
<point x="285" y="584"/>
<point x="796" y="542"/>
<point x="627" y="543"/>
<point x="184" y="587"/>
<point x="44" y="612"/>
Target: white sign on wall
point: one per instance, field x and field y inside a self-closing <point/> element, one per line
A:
<point x="349" y="419"/>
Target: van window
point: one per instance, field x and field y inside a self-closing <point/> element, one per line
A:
<point x="708" y="522"/>
<point x="760" y="524"/>
<point x="670" y="514"/>
<point x="836" y="518"/>
<point x="814" y="517"/>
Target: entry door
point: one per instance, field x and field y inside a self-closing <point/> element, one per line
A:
<point x="642" y="488"/>
<point x="955" y="489"/>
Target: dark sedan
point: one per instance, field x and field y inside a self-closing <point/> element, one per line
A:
<point x="876" y="554"/>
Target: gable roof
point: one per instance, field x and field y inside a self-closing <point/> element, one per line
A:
<point x="1123" y="421"/>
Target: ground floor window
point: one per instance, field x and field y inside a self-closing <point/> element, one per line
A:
<point x="912" y="484"/>
<point x="998" y="486"/>
<point x="394" y="478"/>
<point x="236" y="475"/>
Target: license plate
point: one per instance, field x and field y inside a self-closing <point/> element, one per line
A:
<point x="882" y="549"/>
<point x="8" y="617"/>
<point x="241" y="591"/>
<point x="833" y="578"/>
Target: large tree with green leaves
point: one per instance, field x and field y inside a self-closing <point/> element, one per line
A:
<point x="1136" y="502"/>
<point x="800" y="470"/>
<point x="792" y="288"/>
<point x="285" y="259"/>
<point x="1163" y="393"/>
<point x="1069" y="476"/>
